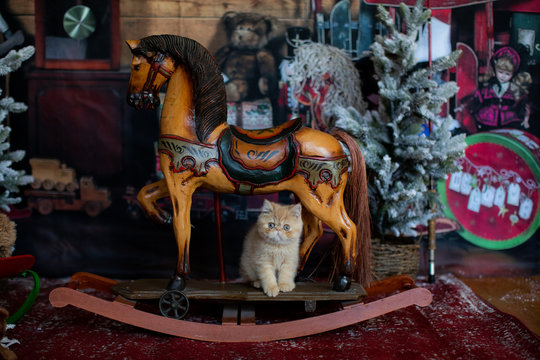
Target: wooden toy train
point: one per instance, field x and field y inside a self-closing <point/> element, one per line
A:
<point x="55" y="188"/>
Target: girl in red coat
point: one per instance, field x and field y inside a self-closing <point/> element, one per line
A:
<point x="502" y="101"/>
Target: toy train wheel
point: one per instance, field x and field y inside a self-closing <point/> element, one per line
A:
<point x="36" y="184"/>
<point x="45" y="206"/>
<point x="92" y="208"/>
<point x="48" y="184"/>
<point x="173" y="304"/>
<point x="60" y="186"/>
<point x="71" y="187"/>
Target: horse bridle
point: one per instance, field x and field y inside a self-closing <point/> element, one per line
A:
<point x="146" y="96"/>
<point x="156" y="67"/>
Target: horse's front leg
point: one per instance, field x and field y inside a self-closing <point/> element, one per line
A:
<point x="181" y="197"/>
<point x="148" y="197"/>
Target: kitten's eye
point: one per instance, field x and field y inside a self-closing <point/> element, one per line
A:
<point x="286" y="227"/>
<point x="271" y="225"/>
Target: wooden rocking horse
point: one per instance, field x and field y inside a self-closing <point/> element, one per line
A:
<point x="199" y="149"/>
<point x="202" y="150"/>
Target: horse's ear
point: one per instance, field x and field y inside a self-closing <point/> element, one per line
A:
<point x="132" y="44"/>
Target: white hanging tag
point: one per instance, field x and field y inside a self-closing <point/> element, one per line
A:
<point x="500" y="196"/>
<point x="525" y="209"/>
<point x="513" y="194"/>
<point x="475" y="199"/>
<point x="455" y="181"/>
<point x="466" y="184"/>
<point x="488" y="195"/>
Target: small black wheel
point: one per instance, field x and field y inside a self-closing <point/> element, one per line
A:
<point x="173" y="304"/>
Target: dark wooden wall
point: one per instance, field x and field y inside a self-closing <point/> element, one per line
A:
<point x="196" y="19"/>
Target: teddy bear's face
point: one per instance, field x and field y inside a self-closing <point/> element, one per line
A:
<point x="249" y="35"/>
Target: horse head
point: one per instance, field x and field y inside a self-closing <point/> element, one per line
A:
<point x="149" y="71"/>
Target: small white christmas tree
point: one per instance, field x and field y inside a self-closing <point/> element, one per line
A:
<point x="11" y="179"/>
<point x="401" y="158"/>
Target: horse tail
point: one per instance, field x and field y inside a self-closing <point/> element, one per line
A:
<point x="356" y="204"/>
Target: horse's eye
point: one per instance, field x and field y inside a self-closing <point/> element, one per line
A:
<point x="136" y="67"/>
<point x="271" y="225"/>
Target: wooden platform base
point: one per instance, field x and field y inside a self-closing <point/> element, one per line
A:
<point x="144" y="289"/>
<point x="236" y="326"/>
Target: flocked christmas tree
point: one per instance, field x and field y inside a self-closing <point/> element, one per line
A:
<point x="401" y="158"/>
<point x="11" y="179"/>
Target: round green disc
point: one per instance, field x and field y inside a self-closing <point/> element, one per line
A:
<point x="79" y="22"/>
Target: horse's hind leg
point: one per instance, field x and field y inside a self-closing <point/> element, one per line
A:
<point x="328" y="206"/>
<point x="345" y="229"/>
<point x="312" y="233"/>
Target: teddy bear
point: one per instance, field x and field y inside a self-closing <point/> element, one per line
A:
<point x="247" y="61"/>
<point x="8" y="235"/>
<point x="5" y="353"/>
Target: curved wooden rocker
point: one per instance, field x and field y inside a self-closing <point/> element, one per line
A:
<point x="234" y="329"/>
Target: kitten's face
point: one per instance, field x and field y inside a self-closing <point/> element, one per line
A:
<point x="280" y="224"/>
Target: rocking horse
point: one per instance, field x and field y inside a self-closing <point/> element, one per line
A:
<point x="202" y="150"/>
<point x="198" y="149"/>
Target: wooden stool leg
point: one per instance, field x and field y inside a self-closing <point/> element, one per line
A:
<point x="217" y="211"/>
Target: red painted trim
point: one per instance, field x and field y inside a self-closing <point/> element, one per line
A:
<point x="435" y="4"/>
<point x="176" y="137"/>
<point x="322" y="158"/>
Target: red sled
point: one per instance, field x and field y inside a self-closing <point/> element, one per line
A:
<point x="20" y="266"/>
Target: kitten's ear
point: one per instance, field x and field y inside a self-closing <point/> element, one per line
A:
<point x="297" y="210"/>
<point x="267" y="207"/>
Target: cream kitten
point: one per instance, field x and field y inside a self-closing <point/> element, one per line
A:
<point x="271" y="248"/>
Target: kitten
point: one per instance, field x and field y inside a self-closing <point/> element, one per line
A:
<point x="271" y="248"/>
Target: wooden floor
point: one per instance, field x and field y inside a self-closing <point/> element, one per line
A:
<point x="519" y="296"/>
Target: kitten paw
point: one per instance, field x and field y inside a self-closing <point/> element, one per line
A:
<point x="286" y="287"/>
<point x="272" y="291"/>
<point x="256" y="284"/>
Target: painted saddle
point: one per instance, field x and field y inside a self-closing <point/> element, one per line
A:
<point x="254" y="158"/>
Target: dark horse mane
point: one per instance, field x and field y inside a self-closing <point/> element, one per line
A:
<point x="208" y="88"/>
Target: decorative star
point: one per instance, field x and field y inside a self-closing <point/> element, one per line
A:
<point x="514" y="218"/>
<point x="474" y="181"/>
<point x="502" y="211"/>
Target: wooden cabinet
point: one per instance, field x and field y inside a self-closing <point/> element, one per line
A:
<point x="82" y="118"/>
<point x="77" y="34"/>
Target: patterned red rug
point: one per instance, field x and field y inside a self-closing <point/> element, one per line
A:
<point x="457" y="325"/>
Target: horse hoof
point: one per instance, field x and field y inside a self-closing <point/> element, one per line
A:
<point x="176" y="283"/>
<point x="342" y="283"/>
